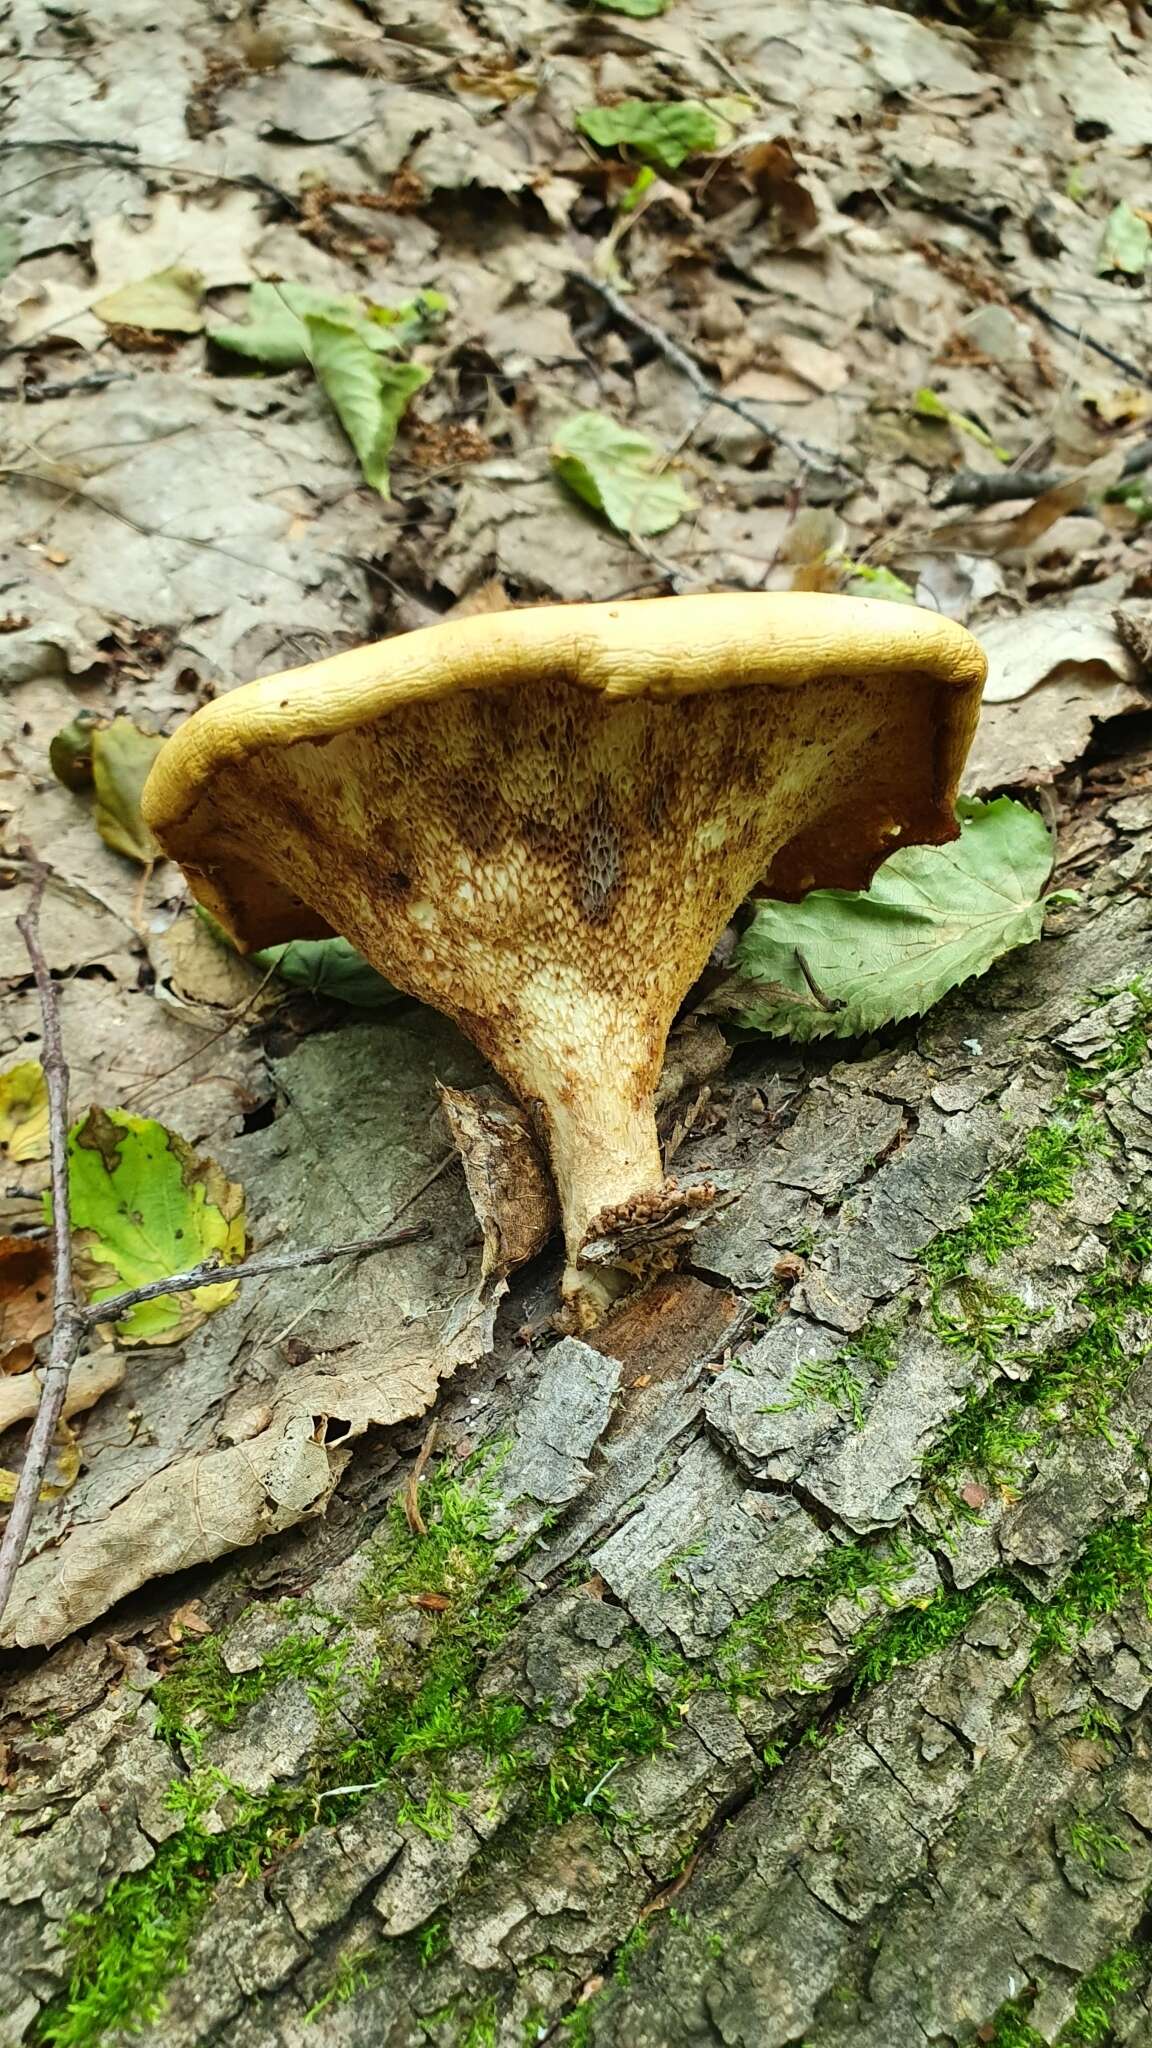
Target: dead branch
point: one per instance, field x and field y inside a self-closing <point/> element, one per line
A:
<point x="211" y="1272"/>
<point x="805" y="452"/>
<point x="68" y="1325"/>
<point x="971" y="487"/>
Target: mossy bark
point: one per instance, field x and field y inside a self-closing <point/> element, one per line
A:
<point x="749" y="1699"/>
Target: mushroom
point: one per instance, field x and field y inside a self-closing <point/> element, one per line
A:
<point x="539" y="821"/>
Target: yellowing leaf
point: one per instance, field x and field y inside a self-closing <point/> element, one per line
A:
<point x="121" y="758"/>
<point x="23" y="1113"/>
<point x="369" y="392"/>
<point x="145" y="1206"/>
<point x="934" y="917"/>
<point x="616" y="470"/>
<point x="168" y="302"/>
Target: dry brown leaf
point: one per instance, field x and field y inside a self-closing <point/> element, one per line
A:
<point x="25" y="1299"/>
<point x="91" y="1378"/>
<point x="1053" y="674"/>
<point x="514" y="1199"/>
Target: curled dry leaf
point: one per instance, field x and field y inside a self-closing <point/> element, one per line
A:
<point x="1053" y="674"/>
<point x="25" y="1302"/>
<point x="206" y="1506"/>
<point x="513" y="1195"/>
<point x="91" y="1379"/>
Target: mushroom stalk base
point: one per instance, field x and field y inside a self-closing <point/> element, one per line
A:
<point x="605" y="1158"/>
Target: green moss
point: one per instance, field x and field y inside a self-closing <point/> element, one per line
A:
<point x="201" y="1693"/>
<point x="1100" y="1992"/>
<point x="770" y="1648"/>
<point x="627" y="1714"/>
<point x="997" y="1431"/>
<point x="837" y="1380"/>
<point x="891" y="1642"/>
<point x="416" y="1708"/>
<point x="1090" y="1842"/>
<point x="1097" y="1996"/>
<point x="1052" y="1156"/>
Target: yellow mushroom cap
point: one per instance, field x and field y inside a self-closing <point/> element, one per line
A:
<point x="540" y="820"/>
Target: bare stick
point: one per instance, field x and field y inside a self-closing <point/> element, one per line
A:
<point x="67" y="1317"/>
<point x="804" y="451"/>
<point x="971" y="487"/>
<point x="211" y="1271"/>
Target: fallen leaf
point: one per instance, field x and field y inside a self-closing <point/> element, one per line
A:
<point x="276" y="334"/>
<point x="121" y="758"/>
<point x="1127" y="243"/>
<point x="23" y="1113"/>
<point x="332" y="969"/>
<point x="145" y="1205"/>
<point x="1053" y="673"/>
<point x="70" y="751"/>
<point x="933" y="917"/>
<point x="616" y="470"/>
<point x="25" y="1299"/>
<point x="63" y="1469"/>
<point x="928" y="405"/>
<point x="368" y="392"/>
<point x="168" y="302"/>
<point x="1029" y="650"/>
<point x="820" y="367"/>
<point x="664" y="132"/>
<point x="90" y="1379"/>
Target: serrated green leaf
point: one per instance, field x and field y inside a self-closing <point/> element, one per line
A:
<point x="331" y="968"/>
<point x="615" y="469"/>
<point x="121" y="758"/>
<point x="168" y="302"/>
<point x="664" y="131"/>
<point x="369" y="393"/>
<point x="275" y="333"/>
<point x="1127" y="243"/>
<point x="934" y="917"/>
<point x="144" y="1205"/>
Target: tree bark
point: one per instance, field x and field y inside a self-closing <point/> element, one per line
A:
<point x="821" y="1842"/>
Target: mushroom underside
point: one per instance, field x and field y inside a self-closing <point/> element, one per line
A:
<point x="551" y="867"/>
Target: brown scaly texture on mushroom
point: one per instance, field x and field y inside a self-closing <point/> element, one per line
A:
<point x="539" y="822"/>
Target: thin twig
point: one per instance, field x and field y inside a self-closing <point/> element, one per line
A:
<point x="971" y="487"/>
<point x="1100" y="348"/>
<point x="67" y="1316"/>
<point x="804" y="451"/>
<point x="211" y="1272"/>
<point x="829" y="1003"/>
<point x="35" y="394"/>
<point x="412" y="1515"/>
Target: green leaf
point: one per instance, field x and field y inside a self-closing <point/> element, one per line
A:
<point x="330" y="968"/>
<point x="368" y="392"/>
<point x="1127" y="243"/>
<point x="868" y="580"/>
<point x="70" y="750"/>
<point x="664" y="131"/>
<point x="934" y="917"/>
<point x="630" y="200"/>
<point x="615" y="469"/>
<point x="640" y="10"/>
<point x="168" y="302"/>
<point x="276" y="333"/>
<point x="121" y="758"/>
<point x="145" y="1206"/>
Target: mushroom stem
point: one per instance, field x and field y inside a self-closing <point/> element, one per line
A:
<point x="605" y="1154"/>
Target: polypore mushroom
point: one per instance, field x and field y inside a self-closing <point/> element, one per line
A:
<point x="539" y="821"/>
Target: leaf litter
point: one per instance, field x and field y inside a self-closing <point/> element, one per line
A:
<point x="826" y="236"/>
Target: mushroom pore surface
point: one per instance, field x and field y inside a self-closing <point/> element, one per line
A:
<point x="551" y="864"/>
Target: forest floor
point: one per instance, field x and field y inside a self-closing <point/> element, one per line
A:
<point x="771" y="1666"/>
